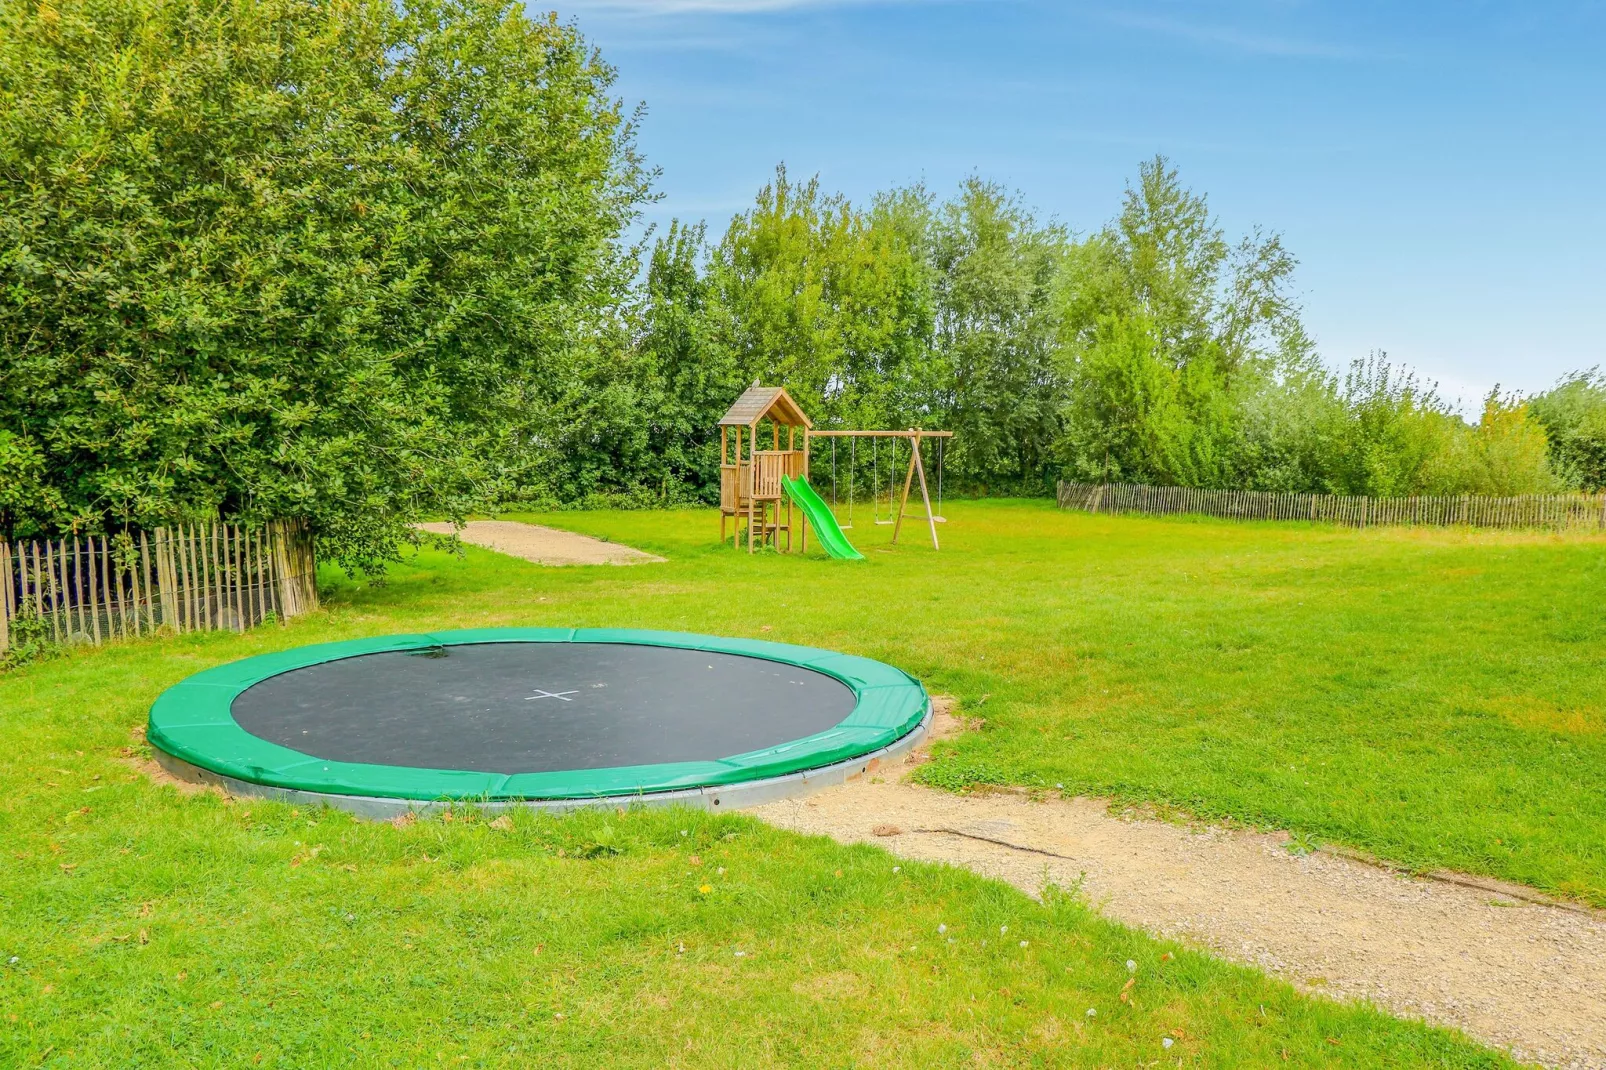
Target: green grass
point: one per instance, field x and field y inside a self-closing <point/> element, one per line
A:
<point x="1438" y="697"/>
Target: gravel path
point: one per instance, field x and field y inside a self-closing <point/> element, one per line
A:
<point x="1512" y="972"/>
<point x="544" y="546"/>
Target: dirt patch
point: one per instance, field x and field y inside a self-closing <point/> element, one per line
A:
<point x="136" y="757"/>
<point x="1508" y="969"/>
<point x="162" y="778"/>
<point x="544" y="546"/>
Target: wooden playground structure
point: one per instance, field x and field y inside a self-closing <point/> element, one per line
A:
<point x="752" y="480"/>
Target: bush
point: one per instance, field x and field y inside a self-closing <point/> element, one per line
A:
<point x="280" y="258"/>
<point x="1573" y="415"/>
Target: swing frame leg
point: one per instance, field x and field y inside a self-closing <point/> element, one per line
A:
<point x="908" y="483"/>
<point x="931" y="520"/>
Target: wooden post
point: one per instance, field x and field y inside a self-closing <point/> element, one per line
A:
<point x="74" y="594"/>
<point x="114" y="583"/>
<point x="270" y="574"/>
<point x="203" y="581"/>
<point x="253" y="545"/>
<point x="139" y="582"/>
<point x="218" y="553"/>
<point x="173" y="589"/>
<point x="752" y="475"/>
<point x="187" y="569"/>
<point x="931" y="520"/>
<point x="94" y="591"/>
<point x="281" y="568"/>
<point x="53" y="591"/>
<point x="242" y="572"/>
<point x="38" y="590"/>
<point x="309" y="567"/>
<point x="908" y="481"/>
<point x="803" y="521"/>
<point x="265" y="601"/>
<point x="181" y="587"/>
<point x="231" y="548"/>
<point x="172" y="609"/>
<point x="242" y="575"/>
<point x="5" y="597"/>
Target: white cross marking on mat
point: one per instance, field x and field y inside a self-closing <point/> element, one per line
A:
<point x="551" y="694"/>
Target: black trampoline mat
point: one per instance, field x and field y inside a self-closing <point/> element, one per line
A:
<point x="540" y="707"/>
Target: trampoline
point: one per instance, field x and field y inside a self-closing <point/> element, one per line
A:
<point x="543" y="717"/>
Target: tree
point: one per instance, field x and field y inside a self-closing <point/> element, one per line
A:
<point x="1573" y="414"/>
<point x="995" y="340"/>
<point x="827" y="300"/>
<point x="1169" y="336"/>
<point x="1511" y="453"/>
<point x="287" y="258"/>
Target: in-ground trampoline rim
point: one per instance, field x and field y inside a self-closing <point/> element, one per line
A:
<point x="196" y="736"/>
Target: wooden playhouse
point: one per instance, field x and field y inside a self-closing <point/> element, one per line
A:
<point x="769" y="490"/>
<point x="750" y="476"/>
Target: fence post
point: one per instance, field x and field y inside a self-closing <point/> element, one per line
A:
<point x="288" y="605"/>
<point x="5" y="596"/>
<point x="309" y="567"/>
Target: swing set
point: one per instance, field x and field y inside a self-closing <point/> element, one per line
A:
<point x="897" y="506"/>
<point x="762" y="486"/>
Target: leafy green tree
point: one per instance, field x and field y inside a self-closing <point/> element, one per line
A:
<point x="995" y="345"/>
<point x="1396" y="434"/>
<point x="646" y="424"/>
<point x="290" y="258"/>
<point x="827" y="300"/>
<point x="1511" y="452"/>
<point x="1132" y="415"/>
<point x="1290" y="422"/>
<point x="1169" y="334"/>
<point x="1573" y="414"/>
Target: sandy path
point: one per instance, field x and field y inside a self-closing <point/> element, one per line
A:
<point x="1517" y="974"/>
<point x="544" y="546"/>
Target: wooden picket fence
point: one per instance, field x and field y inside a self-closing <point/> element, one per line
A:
<point x="205" y="577"/>
<point x="1556" y="512"/>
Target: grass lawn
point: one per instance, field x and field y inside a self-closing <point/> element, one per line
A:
<point x="1436" y="698"/>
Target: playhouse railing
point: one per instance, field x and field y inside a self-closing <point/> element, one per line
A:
<point x="768" y="466"/>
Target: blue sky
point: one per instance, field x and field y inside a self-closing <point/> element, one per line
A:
<point x="1439" y="168"/>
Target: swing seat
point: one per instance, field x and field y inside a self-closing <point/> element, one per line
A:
<point x="886" y="521"/>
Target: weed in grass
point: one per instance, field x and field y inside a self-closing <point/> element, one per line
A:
<point x="1301" y="843"/>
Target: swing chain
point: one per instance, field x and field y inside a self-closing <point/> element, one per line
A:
<point x="875" y="479"/>
<point x="833" y="475"/>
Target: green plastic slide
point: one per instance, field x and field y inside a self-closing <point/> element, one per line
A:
<point x="825" y="527"/>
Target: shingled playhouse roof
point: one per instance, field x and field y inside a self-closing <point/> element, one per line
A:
<point x="757" y="402"/>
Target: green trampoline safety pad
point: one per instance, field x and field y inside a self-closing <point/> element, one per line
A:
<point x="511" y="714"/>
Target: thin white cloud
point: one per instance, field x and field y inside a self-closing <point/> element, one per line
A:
<point x="1236" y="40"/>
